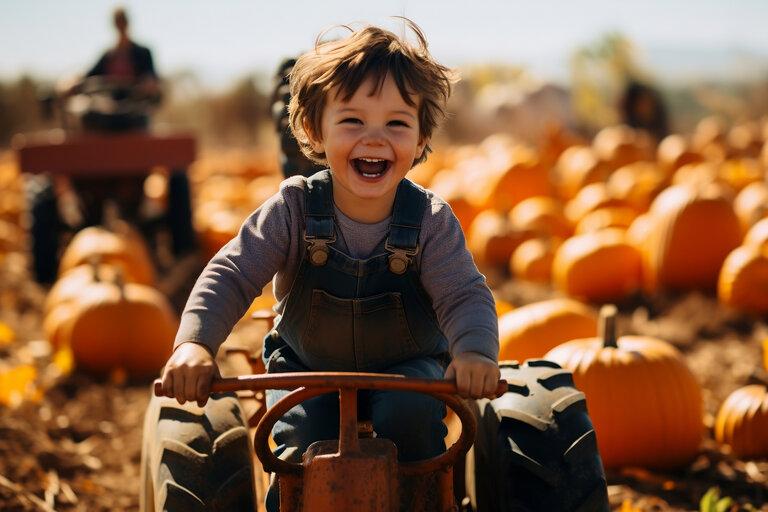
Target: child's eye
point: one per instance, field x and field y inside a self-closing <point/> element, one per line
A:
<point x="398" y="123"/>
<point x="352" y="120"/>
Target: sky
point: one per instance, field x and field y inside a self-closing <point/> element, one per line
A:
<point x="223" y="40"/>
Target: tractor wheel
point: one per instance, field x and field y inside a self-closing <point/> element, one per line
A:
<point x="45" y="228"/>
<point x="179" y="215"/>
<point x="196" y="459"/>
<point x="535" y="449"/>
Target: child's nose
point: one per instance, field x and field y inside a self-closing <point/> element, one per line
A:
<point x="374" y="137"/>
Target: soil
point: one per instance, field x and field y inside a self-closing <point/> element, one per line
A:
<point x="77" y="446"/>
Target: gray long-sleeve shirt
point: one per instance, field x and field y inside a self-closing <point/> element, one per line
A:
<point x="270" y="243"/>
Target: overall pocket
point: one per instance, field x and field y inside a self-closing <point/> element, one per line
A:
<point x="360" y="333"/>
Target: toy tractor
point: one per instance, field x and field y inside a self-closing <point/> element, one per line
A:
<point x="533" y="447"/>
<point x="104" y="152"/>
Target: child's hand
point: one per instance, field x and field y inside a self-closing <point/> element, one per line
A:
<point x="476" y="375"/>
<point x="188" y="374"/>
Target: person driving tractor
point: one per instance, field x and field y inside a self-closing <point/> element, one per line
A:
<point x="371" y="271"/>
<point x="126" y="62"/>
<point x="113" y="102"/>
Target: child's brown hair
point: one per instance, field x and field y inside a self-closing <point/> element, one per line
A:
<point x="373" y="53"/>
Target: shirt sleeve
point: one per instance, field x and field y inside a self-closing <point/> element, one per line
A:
<point x="237" y="274"/>
<point x="465" y="308"/>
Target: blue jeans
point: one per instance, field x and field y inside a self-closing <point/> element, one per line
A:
<point x="413" y="421"/>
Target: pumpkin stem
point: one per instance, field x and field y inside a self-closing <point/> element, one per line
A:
<point x="119" y="281"/>
<point x="758" y="376"/>
<point x="606" y="329"/>
<point x="94" y="260"/>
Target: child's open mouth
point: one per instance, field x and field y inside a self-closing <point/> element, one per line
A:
<point x="371" y="168"/>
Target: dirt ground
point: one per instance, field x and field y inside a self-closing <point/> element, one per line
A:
<point x="78" y="448"/>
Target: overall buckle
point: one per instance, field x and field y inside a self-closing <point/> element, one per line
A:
<point x="400" y="258"/>
<point x="318" y="249"/>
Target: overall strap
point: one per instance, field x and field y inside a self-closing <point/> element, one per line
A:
<point x="318" y="217"/>
<point x="403" y="238"/>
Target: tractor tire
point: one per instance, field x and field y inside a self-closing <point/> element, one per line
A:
<point x="179" y="215"/>
<point x="45" y="228"/>
<point x="196" y="459"/>
<point x="535" y="448"/>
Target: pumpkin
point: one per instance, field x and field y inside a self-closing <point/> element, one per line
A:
<point x="121" y="245"/>
<point x="69" y="286"/>
<point x="598" y="266"/>
<point x="125" y="326"/>
<point x="607" y="217"/>
<point x="745" y="140"/>
<point x="637" y="184"/>
<point x="577" y="167"/>
<point x="532" y="260"/>
<point x="694" y="229"/>
<point x="588" y="199"/>
<point x="709" y="139"/>
<point x="751" y="203"/>
<point x="743" y="281"/>
<point x="674" y="152"/>
<point x="740" y="172"/>
<point x="530" y="330"/>
<point x="758" y="234"/>
<point x="621" y="145"/>
<point x="542" y="216"/>
<point x="742" y="421"/>
<point x="512" y="175"/>
<point x="645" y="403"/>
<point x="492" y="240"/>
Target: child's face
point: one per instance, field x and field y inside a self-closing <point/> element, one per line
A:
<point x="370" y="143"/>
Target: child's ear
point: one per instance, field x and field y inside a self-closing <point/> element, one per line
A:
<point x="420" y="147"/>
<point x="315" y="141"/>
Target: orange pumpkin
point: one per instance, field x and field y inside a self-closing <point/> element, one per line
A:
<point x="751" y="204"/>
<point x="598" y="266"/>
<point x="674" y="152"/>
<point x="620" y="145"/>
<point x="694" y="229"/>
<point x="492" y="240"/>
<point x="607" y="217"/>
<point x="637" y="184"/>
<point x="532" y="260"/>
<point x="121" y="326"/>
<point x="758" y="234"/>
<point x="645" y="403"/>
<point x="743" y="281"/>
<point x="577" y="167"/>
<point x="589" y="199"/>
<point x="512" y="175"/>
<point x="542" y="216"/>
<point x="121" y="245"/>
<point x="530" y="330"/>
<point x="742" y="421"/>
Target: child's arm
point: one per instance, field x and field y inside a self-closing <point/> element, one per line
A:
<point x="225" y="290"/>
<point x="463" y="302"/>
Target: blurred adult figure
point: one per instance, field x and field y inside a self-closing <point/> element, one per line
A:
<point x="127" y="61"/>
<point x="292" y="160"/>
<point x="642" y="107"/>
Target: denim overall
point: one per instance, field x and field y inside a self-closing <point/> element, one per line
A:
<point x="345" y="314"/>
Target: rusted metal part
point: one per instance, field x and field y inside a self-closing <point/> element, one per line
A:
<point x="353" y="473"/>
<point x="364" y="480"/>
<point x="85" y="155"/>
<point x="337" y="380"/>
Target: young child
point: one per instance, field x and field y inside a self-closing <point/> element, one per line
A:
<point x="371" y="272"/>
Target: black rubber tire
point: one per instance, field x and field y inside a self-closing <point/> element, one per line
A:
<point x="196" y="459"/>
<point x="535" y="448"/>
<point x="179" y="214"/>
<point x="45" y="228"/>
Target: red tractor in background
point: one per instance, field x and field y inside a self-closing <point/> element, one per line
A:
<point x="103" y="153"/>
